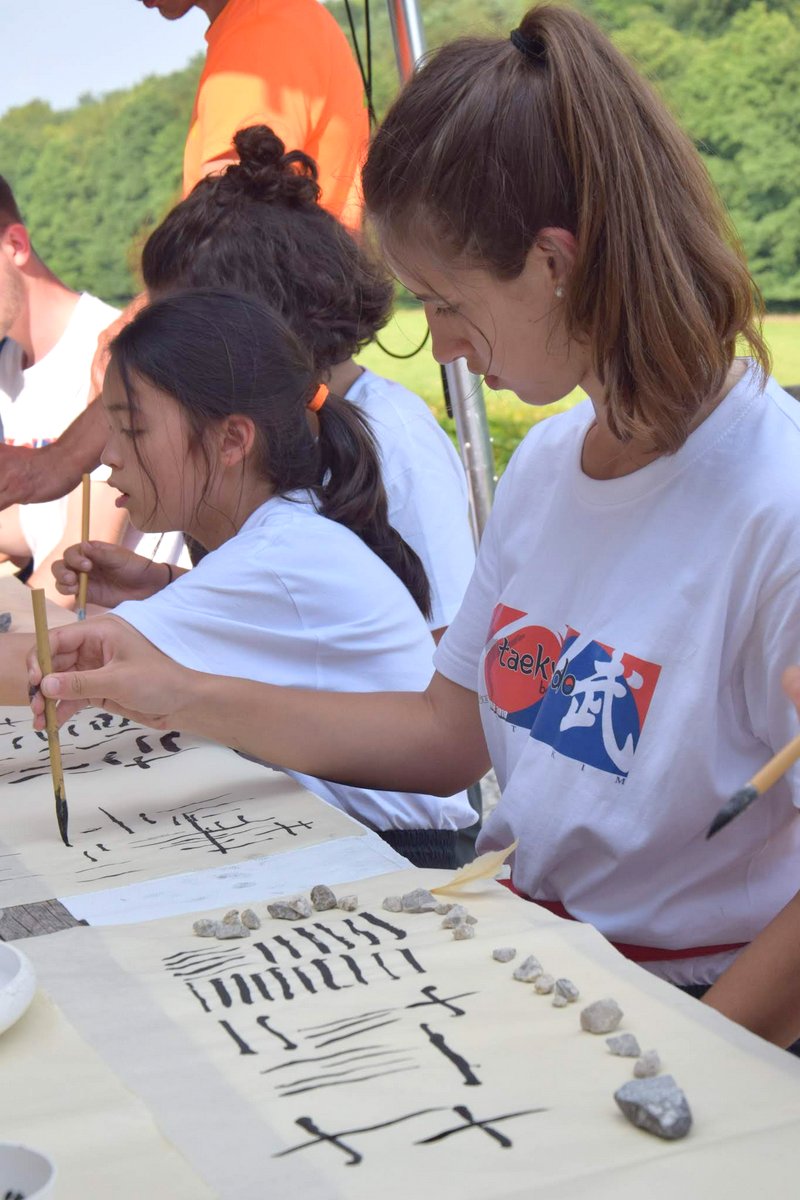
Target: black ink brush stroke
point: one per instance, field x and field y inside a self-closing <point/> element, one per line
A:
<point x="343" y="1037"/>
<point x="319" y="1136"/>
<point x="318" y="1087"/>
<point x="346" y="1055"/>
<point x="485" y="1126"/>
<point x="461" y="1064"/>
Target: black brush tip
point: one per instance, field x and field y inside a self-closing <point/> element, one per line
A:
<point x="738" y="802"/>
<point x="62" y="816"/>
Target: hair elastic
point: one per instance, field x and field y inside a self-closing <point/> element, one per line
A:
<point x="318" y="399"/>
<point x="533" y="48"/>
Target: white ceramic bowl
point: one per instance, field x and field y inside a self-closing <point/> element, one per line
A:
<point x="25" y="1172"/>
<point x="17" y="987"/>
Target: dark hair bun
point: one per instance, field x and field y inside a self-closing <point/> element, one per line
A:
<point x="266" y="172"/>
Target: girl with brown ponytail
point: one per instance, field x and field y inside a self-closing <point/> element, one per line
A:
<point x="637" y="588"/>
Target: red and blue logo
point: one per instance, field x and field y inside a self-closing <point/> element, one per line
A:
<point x="586" y="700"/>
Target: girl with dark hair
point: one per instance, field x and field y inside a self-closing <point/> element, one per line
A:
<point x="259" y="229"/>
<point x="636" y="592"/>
<point x="207" y="394"/>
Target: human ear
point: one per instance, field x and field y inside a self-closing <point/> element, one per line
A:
<point x="16" y="244"/>
<point x="238" y="436"/>
<point x="556" y="250"/>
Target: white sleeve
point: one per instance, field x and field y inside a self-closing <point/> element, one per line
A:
<point x="231" y="616"/>
<point x="773" y="645"/>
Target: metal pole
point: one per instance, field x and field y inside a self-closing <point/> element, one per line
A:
<point x="464" y="388"/>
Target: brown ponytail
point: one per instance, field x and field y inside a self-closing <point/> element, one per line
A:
<point x="488" y="145"/>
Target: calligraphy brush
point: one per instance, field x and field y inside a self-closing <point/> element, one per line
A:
<point x="53" y="744"/>
<point x="83" y="578"/>
<point x="760" y="783"/>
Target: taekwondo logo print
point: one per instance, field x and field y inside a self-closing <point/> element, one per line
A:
<point x="586" y="700"/>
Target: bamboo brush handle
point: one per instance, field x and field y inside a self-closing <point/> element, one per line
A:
<point x="777" y="766"/>
<point x="83" y="578"/>
<point x="46" y="663"/>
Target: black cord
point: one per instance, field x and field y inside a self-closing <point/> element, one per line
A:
<point x="366" y="73"/>
<point x="411" y="353"/>
<point x="366" y="79"/>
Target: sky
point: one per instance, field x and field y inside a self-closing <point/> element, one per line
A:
<point x="56" y="50"/>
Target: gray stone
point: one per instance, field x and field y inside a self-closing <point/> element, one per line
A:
<point x="529" y="969"/>
<point x="5" y="622"/>
<point x="322" y="898"/>
<point x="463" y="932"/>
<point x="567" y="989"/>
<point x="504" y="954"/>
<point x="290" y="910"/>
<point x="419" y="901"/>
<point x="250" y="920"/>
<point x="648" y="1065"/>
<point x="657" y="1105"/>
<point x="393" y="904"/>
<point x="231" y="929"/>
<point x="442" y="909"/>
<point x="544" y="985"/>
<point x="560" y="1001"/>
<point x="458" y="915"/>
<point x="603" y="1016"/>
<point x="231" y="917"/>
<point x="205" y="928"/>
<point x="348" y="903"/>
<point x="625" y="1045"/>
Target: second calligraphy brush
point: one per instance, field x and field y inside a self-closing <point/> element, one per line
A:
<point x="83" y="578"/>
<point x="53" y="744"/>
<point x="760" y="783"/>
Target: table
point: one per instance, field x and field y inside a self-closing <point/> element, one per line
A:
<point x="352" y="1055"/>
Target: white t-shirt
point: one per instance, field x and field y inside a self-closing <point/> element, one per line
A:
<point x="297" y="600"/>
<point x="38" y="403"/>
<point x="626" y="638"/>
<point x="425" y="486"/>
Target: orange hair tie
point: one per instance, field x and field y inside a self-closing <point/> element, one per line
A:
<point x="318" y="399"/>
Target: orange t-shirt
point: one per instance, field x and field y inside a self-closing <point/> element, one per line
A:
<point x="286" y="64"/>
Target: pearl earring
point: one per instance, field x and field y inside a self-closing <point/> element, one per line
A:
<point x="560" y="292"/>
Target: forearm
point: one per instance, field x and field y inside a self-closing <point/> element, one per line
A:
<point x="31" y="476"/>
<point x="429" y="741"/>
<point x="761" y="989"/>
<point x="77" y="451"/>
<point x="397" y="741"/>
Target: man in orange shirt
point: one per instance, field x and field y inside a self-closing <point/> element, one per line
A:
<point x="282" y="63"/>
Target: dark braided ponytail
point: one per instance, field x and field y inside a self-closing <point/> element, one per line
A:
<point x="353" y="494"/>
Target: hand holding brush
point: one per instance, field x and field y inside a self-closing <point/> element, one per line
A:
<point x="770" y="773"/>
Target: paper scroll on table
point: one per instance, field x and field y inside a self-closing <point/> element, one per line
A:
<point x="369" y="1054"/>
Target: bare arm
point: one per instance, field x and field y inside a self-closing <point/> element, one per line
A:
<point x="30" y="476"/>
<point x="428" y="741"/>
<point x="761" y="989"/>
<point x="115" y="573"/>
<point x="108" y="522"/>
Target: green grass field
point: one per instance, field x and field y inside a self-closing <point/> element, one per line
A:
<point x="509" y="419"/>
